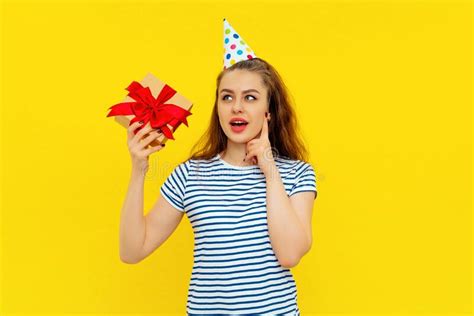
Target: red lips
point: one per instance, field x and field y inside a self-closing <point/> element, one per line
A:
<point x="241" y="119"/>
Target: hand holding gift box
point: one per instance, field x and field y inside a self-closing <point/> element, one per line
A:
<point x="152" y="101"/>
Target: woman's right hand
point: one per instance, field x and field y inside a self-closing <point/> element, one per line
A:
<point x="137" y="145"/>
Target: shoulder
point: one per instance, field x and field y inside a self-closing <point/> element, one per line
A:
<point x="294" y="167"/>
<point x="183" y="167"/>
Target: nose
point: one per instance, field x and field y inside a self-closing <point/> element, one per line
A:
<point x="237" y="106"/>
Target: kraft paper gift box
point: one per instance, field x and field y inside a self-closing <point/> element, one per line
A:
<point x="153" y="101"/>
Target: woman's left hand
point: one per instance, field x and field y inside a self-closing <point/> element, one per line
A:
<point x="259" y="150"/>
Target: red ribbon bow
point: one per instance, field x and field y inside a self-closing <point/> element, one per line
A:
<point x="148" y="109"/>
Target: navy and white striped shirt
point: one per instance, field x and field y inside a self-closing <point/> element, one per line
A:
<point x="235" y="270"/>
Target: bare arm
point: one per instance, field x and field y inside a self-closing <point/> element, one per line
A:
<point x="160" y="223"/>
<point x="132" y="221"/>
<point x="140" y="235"/>
<point x="289" y="235"/>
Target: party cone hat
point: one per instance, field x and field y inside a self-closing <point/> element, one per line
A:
<point x="235" y="48"/>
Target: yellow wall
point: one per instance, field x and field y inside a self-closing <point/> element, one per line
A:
<point x="383" y="95"/>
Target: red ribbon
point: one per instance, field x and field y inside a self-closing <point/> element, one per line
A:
<point x="148" y="109"/>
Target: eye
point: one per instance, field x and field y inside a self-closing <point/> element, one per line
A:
<point x="248" y="95"/>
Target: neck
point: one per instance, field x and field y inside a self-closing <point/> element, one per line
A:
<point x="235" y="154"/>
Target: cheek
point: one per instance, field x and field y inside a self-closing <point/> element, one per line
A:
<point x="222" y="119"/>
<point x="222" y="109"/>
<point x="258" y="112"/>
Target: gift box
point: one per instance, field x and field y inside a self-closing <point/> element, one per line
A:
<point x="153" y="102"/>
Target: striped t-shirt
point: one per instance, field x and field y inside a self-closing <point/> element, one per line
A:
<point x="235" y="270"/>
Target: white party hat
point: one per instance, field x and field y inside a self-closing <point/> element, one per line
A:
<point x="235" y="48"/>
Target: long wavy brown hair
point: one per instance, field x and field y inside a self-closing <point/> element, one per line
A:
<point x="283" y="130"/>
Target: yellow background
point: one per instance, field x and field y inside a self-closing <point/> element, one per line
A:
<point x="383" y="92"/>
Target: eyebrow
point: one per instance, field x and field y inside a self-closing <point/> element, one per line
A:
<point x="245" y="91"/>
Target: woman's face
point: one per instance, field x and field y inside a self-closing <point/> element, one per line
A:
<point x="242" y="95"/>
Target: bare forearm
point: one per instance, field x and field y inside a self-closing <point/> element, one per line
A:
<point x="132" y="221"/>
<point x="287" y="234"/>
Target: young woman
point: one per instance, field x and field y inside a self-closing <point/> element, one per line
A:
<point x="247" y="191"/>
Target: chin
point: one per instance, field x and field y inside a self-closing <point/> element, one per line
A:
<point x="241" y="138"/>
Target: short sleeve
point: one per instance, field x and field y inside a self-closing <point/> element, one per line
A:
<point x="305" y="179"/>
<point x="174" y="187"/>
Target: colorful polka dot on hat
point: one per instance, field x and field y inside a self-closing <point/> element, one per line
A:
<point x="235" y="48"/>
